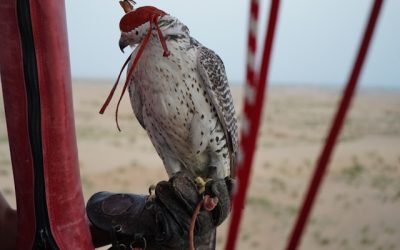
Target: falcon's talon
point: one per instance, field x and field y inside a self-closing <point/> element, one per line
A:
<point x="201" y="184"/>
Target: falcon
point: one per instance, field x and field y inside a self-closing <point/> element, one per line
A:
<point x="180" y="95"/>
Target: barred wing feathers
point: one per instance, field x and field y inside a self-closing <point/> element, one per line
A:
<point x="212" y="72"/>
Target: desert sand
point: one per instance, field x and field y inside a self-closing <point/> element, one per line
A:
<point x="358" y="206"/>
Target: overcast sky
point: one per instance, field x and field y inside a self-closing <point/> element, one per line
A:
<point x="316" y="40"/>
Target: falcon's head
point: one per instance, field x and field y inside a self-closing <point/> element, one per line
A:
<point x="135" y="26"/>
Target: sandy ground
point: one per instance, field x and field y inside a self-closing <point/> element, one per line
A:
<point x="358" y="206"/>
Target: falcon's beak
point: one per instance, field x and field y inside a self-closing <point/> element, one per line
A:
<point x="123" y="43"/>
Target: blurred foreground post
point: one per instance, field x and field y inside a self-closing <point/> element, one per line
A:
<point x="253" y="106"/>
<point x="36" y="82"/>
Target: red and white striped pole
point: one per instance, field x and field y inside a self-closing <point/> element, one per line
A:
<point x="253" y="105"/>
<point x="251" y="83"/>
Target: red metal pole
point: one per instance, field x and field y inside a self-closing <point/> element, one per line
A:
<point x="334" y="132"/>
<point x="252" y="114"/>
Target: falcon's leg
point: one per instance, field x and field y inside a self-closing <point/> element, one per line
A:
<point x="208" y="143"/>
<point x="171" y="163"/>
<point x="219" y="164"/>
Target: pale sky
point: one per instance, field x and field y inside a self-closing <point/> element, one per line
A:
<point x="316" y="40"/>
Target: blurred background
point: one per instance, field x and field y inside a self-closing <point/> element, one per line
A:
<point x="316" y="41"/>
<point x="315" y="45"/>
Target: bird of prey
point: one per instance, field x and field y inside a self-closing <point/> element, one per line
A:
<point x="180" y="95"/>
